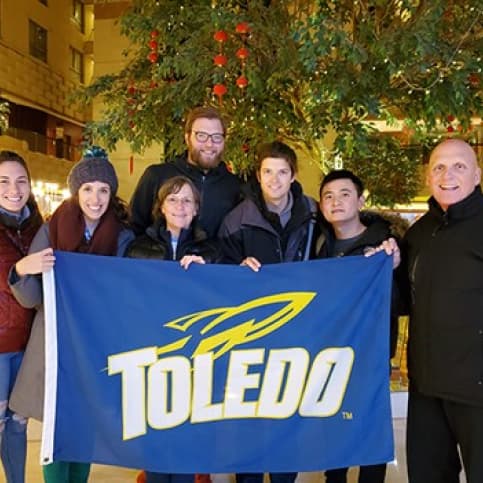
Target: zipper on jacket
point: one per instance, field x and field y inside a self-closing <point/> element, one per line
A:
<point x="412" y="280"/>
<point x="442" y="225"/>
<point x="202" y="195"/>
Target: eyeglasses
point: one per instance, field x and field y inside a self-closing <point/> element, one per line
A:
<point x="173" y="201"/>
<point x="202" y="137"/>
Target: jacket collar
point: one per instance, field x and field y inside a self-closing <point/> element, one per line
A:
<point x="377" y="230"/>
<point x="466" y="208"/>
<point x="158" y="231"/>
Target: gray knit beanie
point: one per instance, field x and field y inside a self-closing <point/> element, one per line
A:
<point x="94" y="166"/>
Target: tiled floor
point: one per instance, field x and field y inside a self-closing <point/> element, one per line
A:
<point x="109" y="474"/>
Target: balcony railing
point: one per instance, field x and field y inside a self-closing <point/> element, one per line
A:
<point x="58" y="147"/>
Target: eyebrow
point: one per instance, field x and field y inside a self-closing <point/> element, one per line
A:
<point x="343" y="190"/>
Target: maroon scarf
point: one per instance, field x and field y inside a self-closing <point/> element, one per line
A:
<point x="67" y="227"/>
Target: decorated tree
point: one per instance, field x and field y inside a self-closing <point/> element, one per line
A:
<point x="303" y="72"/>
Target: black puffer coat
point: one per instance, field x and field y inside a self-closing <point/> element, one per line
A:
<point x="156" y="244"/>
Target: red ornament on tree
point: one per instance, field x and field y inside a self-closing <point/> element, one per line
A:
<point x="242" y="82"/>
<point x="219" y="90"/>
<point x="450" y="118"/>
<point x="245" y="147"/>
<point x="153" y="44"/>
<point x="153" y="57"/>
<point x="242" y="28"/>
<point x="219" y="60"/>
<point x="154" y="34"/>
<point x="220" y="36"/>
<point x="474" y="79"/>
<point x="131" y="90"/>
<point x="242" y="53"/>
<point x="450" y="129"/>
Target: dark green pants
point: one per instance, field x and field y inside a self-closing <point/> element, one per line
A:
<point x="63" y="472"/>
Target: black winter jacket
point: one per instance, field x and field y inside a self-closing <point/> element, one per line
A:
<point x="378" y="230"/>
<point x="156" y="244"/>
<point x="250" y="230"/>
<point x="219" y="190"/>
<point x="443" y="262"/>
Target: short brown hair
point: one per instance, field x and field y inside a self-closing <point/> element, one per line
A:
<point x="276" y="149"/>
<point x="13" y="156"/>
<point x="207" y="112"/>
<point x="173" y="185"/>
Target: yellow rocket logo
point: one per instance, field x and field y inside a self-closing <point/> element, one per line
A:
<point x="162" y="390"/>
<point x="221" y="342"/>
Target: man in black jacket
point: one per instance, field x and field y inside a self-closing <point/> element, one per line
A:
<point x="202" y="163"/>
<point x="346" y="231"/>
<point x="443" y="268"/>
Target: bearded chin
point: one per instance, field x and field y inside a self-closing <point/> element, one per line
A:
<point x="203" y="163"/>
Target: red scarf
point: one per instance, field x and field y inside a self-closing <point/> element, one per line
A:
<point x="67" y="231"/>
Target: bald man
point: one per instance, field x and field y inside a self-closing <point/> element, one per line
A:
<point x="443" y="268"/>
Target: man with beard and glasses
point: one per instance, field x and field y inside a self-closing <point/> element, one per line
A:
<point x="205" y="132"/>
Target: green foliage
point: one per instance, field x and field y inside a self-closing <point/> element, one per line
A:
<point x="313" y="68"/>
<point x="394" y="175"/>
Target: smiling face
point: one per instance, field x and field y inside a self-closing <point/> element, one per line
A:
<point x="14" y="186"/>
<point x="179" y="209"/>
<point x="94" y="200"/>
<point x="453" y="172"/>
<point x="340" y="202"/>
<point x="275" y="177"/>
<point x="205" y="154"/>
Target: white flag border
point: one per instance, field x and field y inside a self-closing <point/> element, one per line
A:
<point x="50" y="389"/>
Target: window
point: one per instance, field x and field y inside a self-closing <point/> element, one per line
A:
<point x="77" y="63"/>
<point x="77" y="13"/>
<point x="37" y="41"/>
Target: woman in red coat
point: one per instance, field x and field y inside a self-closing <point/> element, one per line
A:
<point x="19" y="221"/>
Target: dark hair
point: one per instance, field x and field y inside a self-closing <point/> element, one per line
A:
<point x="342" y="174"/>
<point x="170" y="186"/>
<point x="276" y="149"/>
<point x="121" y="210"/>
<point x="13" y="156"/>
<point x="206" y="112"/>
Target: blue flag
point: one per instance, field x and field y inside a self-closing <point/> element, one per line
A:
<point x="218" y="369"/>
